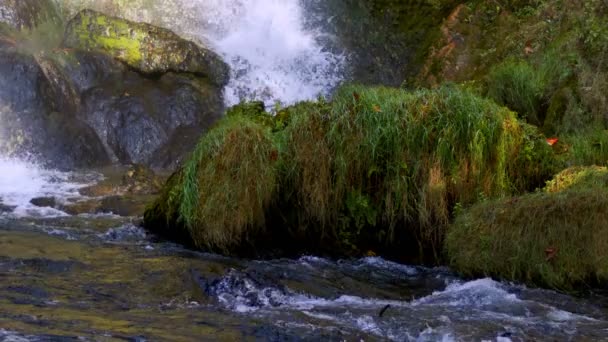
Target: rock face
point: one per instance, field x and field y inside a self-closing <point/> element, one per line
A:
<point x="28" y="14"/>
<point x="146" y="48"/>
<point x="29" y="124"/>
<point x="90" y="103"/>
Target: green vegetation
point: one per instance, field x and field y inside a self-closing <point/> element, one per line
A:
<point x="373" y="165"/>
<point x="557" y="237"/>
<point x="222" y="193"/>
<point x="430" y="174"/>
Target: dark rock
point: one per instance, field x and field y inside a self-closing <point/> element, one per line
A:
<point x="75" y="108"/>
<point x="6" y="209"/>
<point x="125" y="205"/>
<point x="30" y="126"/>
<point x="143" y="47"/>
<point x="44" y="202"/>
<point x="138" y="120"/>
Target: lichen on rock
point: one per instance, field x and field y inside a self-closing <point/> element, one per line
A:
<point x="146" y="48"/>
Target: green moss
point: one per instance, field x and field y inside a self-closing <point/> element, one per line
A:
<point x="143" y="47"/>
<point x="557" y="237"/>
<point x="113" y="35"/>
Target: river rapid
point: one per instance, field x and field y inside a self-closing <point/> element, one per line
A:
<point x="103" y="278"/>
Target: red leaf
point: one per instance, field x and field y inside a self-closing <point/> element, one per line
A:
<point x="552" y="141"/>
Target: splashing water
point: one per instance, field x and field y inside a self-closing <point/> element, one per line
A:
<point x="22" y="181"/>
<point x="273" y="55"/>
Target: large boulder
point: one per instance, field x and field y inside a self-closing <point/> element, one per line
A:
<point x="139" y="119"/>
<point x="27" y="14"/>
<point x="85" y="107"/>
<point x="146" y="48"/>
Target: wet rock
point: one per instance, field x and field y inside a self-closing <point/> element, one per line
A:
<point x="121" y="205"/>
<point x="31" y="127"/>
<point x="136" y="180"/>
<point x="44" y="202"/>
<point x="27" y="14"/>
<point x="124" y="205"/>
<point x="143" y="47"/>
<point x="139" y="120"/>
<point x="81" y="207"/>
<point x="87" y="106"/>
<point x="140" y="179"/>
<point x="6" y="209"/>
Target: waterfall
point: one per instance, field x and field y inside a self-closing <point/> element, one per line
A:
<point x="273" y="54"/>
<point x="273" y="48"/>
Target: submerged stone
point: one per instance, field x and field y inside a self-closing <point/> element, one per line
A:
<point x="143" y="47"/>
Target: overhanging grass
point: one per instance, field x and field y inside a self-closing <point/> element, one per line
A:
<point x="225" y="187"/>
<point x="373" y="168"/>
<point x="556" y="238"/>
<point x="377" y="160"/>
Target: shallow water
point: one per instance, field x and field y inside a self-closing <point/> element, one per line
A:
<point x="102" y="278"/>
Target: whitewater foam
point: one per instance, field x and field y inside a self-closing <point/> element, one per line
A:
<point x="21" y="181"/>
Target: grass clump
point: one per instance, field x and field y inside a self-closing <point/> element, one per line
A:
<point x="518" y="85"/>
<point x="383" y="163"/>
<point x="557" y="237"/>
<point x="374" y="169"/>
<point x="221" y="194"/>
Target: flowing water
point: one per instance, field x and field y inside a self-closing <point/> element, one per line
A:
<point x="103" y="278"/>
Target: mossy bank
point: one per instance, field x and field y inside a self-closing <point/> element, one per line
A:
<point x="376" y="169"/>
<point x="557" y="237"/>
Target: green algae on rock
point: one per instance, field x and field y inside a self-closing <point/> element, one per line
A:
<point x="143" y="47"/>
<point x="557" y="237"/>
<point x="377" y="168"/>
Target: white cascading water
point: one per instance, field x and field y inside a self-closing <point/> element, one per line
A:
<point x="273" y="55"/>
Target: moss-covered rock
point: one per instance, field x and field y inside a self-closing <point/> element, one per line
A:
<point x="557" y="237"/>
<point x="145" y="48"/>
<point x="376" y="168"/>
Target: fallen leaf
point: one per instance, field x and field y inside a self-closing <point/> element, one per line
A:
<point x="552" y="141"/>
<point x="550" y="253"/>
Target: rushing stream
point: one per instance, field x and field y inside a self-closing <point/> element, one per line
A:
<point x="102" y="278"/>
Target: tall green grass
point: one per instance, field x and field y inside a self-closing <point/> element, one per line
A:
<point x="375" y="167"/>
<point x="383" y="159"/>
<point x="222" y="192"/>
